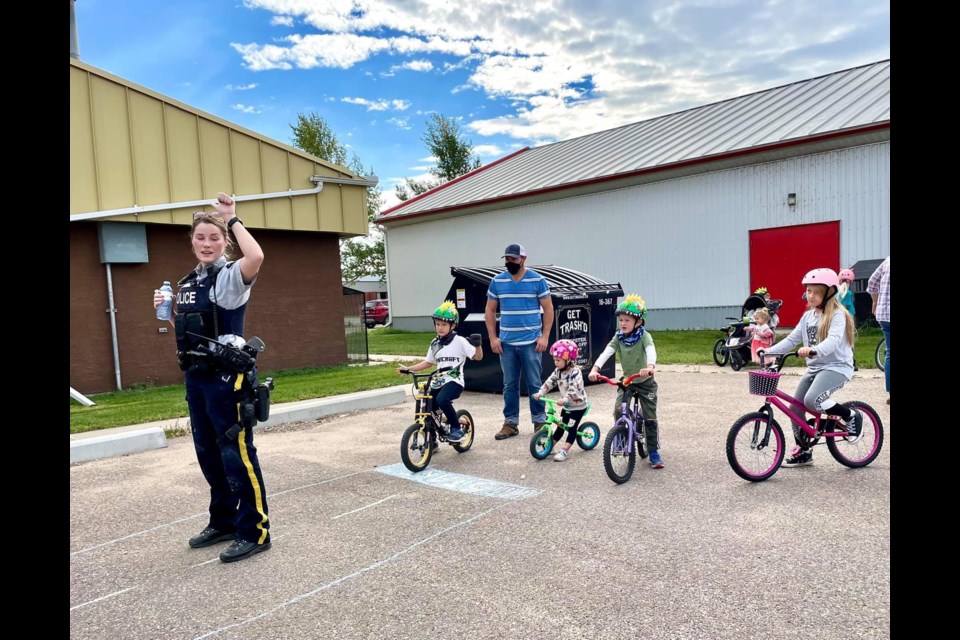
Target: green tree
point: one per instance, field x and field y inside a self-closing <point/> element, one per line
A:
<point x="358" y="256"/>
<point x="453" y="152"/>
<point x="313" y="135"/>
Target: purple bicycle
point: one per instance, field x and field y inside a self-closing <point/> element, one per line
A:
<point x="756" y="446"/>
<point x="625" y="440"/>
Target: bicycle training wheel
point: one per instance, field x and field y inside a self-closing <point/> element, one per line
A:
<point x="867" y="447"/>
<point x="720" y="354"/>
<point x="755" y="447"/>
<point x="466" y="425"/>
<point x="415" y="448"/>
<point x="618" y="459"/>
<point x="541" y="444"/>
<point x="881" y="354"/>
<point x="588" y="435"/>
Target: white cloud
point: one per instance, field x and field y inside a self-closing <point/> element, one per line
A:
<point x="400" y="123"/>
<point x="488" y="151"/>
<point x="379" y="105"/>
<point x="413" y="65"/>
<point x="246" y="108"/>
<point x="281" y="21"/>
<point x="241" y="87"/>
<point x="568" y="68"/>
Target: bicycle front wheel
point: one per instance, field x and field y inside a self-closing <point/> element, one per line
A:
<point x="881" y="354"/>
<point x="755" y="447"/>
<point x="415" y="448"/>
<point x="864" y="449"/>
<point x="466" y="425"/>
<point x="588" y="435"/>
<point x="720" y="354"/>
<point x="619" y="459"/>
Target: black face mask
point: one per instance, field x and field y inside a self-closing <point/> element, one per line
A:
<point x="513" y="268"/>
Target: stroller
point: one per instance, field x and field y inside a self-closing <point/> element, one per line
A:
<point x="734" y="346"/>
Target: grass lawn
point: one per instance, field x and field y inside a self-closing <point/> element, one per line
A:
<point x="148" y="404"/>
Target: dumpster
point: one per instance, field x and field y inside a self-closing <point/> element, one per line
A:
<point x="583" y="312"/>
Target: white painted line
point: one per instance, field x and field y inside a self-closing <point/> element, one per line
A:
<point x="116" y="593"/>
<point x="372" y="504"/>
<point x="459" y="482"/>
<point x="206" y="513"/>
<point x="355" y="574"/>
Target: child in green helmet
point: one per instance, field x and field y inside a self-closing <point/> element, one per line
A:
<point x="633" y="345"/>
<point x="448" y="352"/>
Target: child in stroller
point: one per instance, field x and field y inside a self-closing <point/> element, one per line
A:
<point x="734" y="347"/>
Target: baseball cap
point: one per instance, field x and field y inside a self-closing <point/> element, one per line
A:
<point x="514" y="251"/>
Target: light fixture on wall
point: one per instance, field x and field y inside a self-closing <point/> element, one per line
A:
<point x="791" y="199"/>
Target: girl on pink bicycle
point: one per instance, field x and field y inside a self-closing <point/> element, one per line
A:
<point x="827" y="329"/>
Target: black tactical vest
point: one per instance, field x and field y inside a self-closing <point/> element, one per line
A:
<point x="198" y="314"/>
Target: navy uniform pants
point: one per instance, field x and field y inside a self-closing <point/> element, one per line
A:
<point x="238" y="498"/>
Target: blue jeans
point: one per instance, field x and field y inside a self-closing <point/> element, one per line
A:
<point x="885" y="326"/>
<point x="512" y="360"/>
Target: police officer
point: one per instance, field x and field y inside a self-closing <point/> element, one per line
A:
<point x="210" y="306"/>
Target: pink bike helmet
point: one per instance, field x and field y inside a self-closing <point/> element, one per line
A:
<point x="566" y="349"/>
<point x="846" y="274"/>
<point x="822" y="276"/>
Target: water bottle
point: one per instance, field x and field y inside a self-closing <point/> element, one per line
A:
<point x="163" y="310"/>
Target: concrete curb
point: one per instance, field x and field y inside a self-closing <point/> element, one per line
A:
<point x="110" y="443"/>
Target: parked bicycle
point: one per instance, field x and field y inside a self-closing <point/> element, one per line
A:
<point x="541" y="444"/>
<point x="881" y="354"/>
<point x="756" y="445"/>
<point x="421" y="439"/>
<point x="625" y="441"/>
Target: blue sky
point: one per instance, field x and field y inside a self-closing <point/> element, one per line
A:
<point x="513" y="73"/>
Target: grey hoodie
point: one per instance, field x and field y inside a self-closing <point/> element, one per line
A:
<point x="833" y="354"/>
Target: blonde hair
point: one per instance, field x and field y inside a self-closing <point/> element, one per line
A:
<point x="831" y="307"/>
<point x="761" y="312"/>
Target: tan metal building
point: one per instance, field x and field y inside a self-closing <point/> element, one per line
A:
<point x="140" y="164"/>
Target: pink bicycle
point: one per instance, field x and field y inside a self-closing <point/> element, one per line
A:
<point x="756" y="446"/>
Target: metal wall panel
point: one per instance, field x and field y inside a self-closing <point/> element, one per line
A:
<point x="682" y="244"/>
<point x="130" y="146"/>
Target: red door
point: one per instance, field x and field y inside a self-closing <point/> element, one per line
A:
<point x="780" y="257"/>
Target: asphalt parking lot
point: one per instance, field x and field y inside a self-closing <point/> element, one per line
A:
<point x="492" y="543"/>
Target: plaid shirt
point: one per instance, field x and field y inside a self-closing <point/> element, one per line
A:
<point x="879" y="285"/>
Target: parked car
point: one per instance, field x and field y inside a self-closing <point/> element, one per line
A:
<point x="376" y="312"/>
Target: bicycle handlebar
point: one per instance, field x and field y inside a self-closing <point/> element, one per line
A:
<point x="783" y="357"/>
<point x="621" y="382"/>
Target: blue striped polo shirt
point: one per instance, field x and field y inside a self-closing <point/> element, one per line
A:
<point x="520" y="321"/>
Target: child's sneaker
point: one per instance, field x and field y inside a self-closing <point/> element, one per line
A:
<point x="562" y="455"/>
<point x="655" y="460"/>
<point x="455" y="435"/>
<point x="799" y="458"/>
<point x="854" y="426"/>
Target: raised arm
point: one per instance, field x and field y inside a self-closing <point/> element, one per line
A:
<point x="252" y="253"/>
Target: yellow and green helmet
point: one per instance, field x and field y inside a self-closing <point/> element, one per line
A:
<point x="633" y="305"/>
<point x="447" y="312"/>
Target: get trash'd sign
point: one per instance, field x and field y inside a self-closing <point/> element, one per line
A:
<point x="573" y="323"/>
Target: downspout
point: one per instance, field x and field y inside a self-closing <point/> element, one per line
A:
<point x="113" y="327"/>
<point x="74" y="43"/>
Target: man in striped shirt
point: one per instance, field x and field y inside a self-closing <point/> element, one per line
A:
<point x="526" y="315"/>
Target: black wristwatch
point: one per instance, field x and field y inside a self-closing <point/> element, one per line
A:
<point x="233" y="221"/>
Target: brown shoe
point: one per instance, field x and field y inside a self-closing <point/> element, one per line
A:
<point x="537" y="426"/>
<point x="507" y="431"/>
<point x="888" y="400"/>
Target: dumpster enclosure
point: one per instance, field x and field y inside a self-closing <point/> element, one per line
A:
<point x="583" y="312"/>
